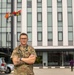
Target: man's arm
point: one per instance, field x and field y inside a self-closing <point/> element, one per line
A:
<point x="16" y="61"/>
<point x="30" y="60"/>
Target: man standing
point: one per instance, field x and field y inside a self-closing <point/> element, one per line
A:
<point x="23" y="57"/>
<point x="71" y="64"/>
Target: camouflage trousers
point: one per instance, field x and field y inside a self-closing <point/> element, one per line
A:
<point x="23" y="71"/>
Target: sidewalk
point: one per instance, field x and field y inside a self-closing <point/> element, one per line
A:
<point x="53" y="71"/>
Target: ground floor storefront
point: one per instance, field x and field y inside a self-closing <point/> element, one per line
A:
<point x="54" y="58"/>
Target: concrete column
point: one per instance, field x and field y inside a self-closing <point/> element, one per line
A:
<point x="55" y="29"/>
<point x="65" y="23"/>
<point x="24" y="16"/>
<point x="34" y="23"/>
<point x="44" y="22"/>
<point x="45" y="59"/>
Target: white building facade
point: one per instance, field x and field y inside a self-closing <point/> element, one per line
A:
<point x="50" y="28"/>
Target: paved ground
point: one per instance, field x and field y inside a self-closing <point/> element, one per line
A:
<point x="53" y="71"/>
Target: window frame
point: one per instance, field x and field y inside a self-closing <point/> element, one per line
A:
<point x="59" y="37"/>
<point x="38" y="37"/>
<point x="37" y="16"/>
<point x="39" y="1"/>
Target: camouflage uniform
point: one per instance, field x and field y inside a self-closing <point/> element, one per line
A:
<point x="23" y="68"/>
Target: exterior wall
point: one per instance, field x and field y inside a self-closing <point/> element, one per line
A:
<point x="44" y="24"/>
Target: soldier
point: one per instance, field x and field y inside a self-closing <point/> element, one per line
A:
<point x="23" y="57"/>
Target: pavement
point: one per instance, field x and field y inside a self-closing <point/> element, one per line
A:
<point x="54" y="71"/>
<point x="50" y="71"/>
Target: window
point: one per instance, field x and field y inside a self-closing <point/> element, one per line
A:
<point x="50" y="36"/>
<point x="19" y="18"/>
<point x="29" y="36"/>
<point x="70" y="36"/>
<point x="59" y="1"/>
<point x="70" y="19"/>
<point x="18" y="35"/>
<point x="19" y="1"/>
<point x="29" y="4"/>
<point x="49" y="3"/>
<point x="49" y="19"/>
<point x="29" y="19"/>
<point x="39" y="17"/>
<point x="59" y="16"/>
<point x="39" y="1"/>
<point x="8" y="36"/>
<point x="69" y="3"/>
<point x="60" y="36"/>
<point x="39" y="34"/>
<point x="3" y="21"/>
<point x="8" y="1"/>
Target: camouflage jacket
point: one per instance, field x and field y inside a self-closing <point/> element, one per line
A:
<point x="24" y="68"/>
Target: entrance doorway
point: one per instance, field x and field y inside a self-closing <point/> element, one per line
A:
<point x="59" y="58"/>
<point x="54" y="59"/>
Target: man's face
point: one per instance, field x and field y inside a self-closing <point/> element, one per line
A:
<point x="23" y="39"/>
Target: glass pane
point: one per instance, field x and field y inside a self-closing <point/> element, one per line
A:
<point x="70" y="36"/>
<point x="0" y="20"/>
<point x="29" y="19"/>
<point x="70" y="28"/>
<point x="8" y="36"/>
<point x="4" y="0"/>
<point x="19" y="18"/>
<point x="29" y="36"/>
<point x="19" y="0"/>
<point x="49" y="18"/>
<point x="59" y="16"/>
<point x="39" y="28"/>
<point x="3" y="10"/>
<point x="39" y="5"/>
<point x="60" y="28"/>
<point x="49" y="36"/>
<point x="39" y="17"/>
<point x="39" y="1"/>
<point x="70" y="20"/>
<point x="29" y="29"/>
<point x="60" y="36"/>
<point x="9" y="1"/>
<point x="49" y="2"/>
<point x="69" y="3"/>
<point x="39" y="24"/>
<point x="18" y="35"/>
<point x="59" y="0"/>
<point x="3" y="5"/>
<point x="60" y="24"/>
<point x="9" y="6"/>
<point x="29" y="4"/>
<point x="3" y="20"/>
<point x="49" y="28"/>
<point x="0" y="39"/>
<point x="3" y="39"/>
<point x="39" y="36"/>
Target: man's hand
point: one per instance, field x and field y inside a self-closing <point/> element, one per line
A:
<point x="15" y="60"/>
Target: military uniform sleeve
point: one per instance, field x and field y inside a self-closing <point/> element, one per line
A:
<point x="33" y="51"/>
<point x="14" y="53"/>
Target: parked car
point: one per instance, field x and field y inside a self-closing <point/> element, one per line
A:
<point x="10" y="67"/>
<point x="3" y="66"/>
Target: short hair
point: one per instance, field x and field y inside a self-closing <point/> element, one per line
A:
<point x="23" y="34"/>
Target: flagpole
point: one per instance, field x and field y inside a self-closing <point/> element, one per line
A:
<point x="12" y="24"/>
